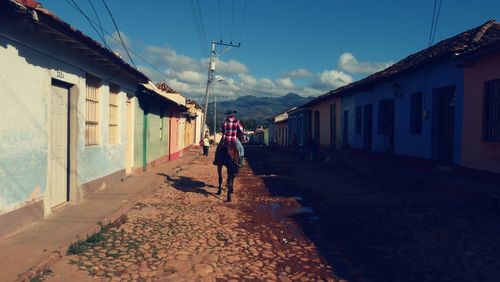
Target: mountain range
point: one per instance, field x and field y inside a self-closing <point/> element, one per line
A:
<point x="256" y="108"/>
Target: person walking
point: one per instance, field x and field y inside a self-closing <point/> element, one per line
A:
<point x="206" y="144"/>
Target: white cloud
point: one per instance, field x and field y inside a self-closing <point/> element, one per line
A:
<point x="247" y="80"/>
<point x="166" y="57"/>
<point x="349" y="63"/>
<point x="334" y="78"/>
<point x="298" y="73"/>
<point x="285" y="83"/>
<point x="188" y="75"/>
<point x="266" y="83"/>
<point x="191" y="76"/>
<point x="231" y="67"/>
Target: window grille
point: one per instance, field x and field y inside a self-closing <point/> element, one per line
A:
<point x="92" y="111"/>
<point x="113" y="114"/>
<point x="491" y="120"/>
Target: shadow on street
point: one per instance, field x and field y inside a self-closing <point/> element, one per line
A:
<point x="188" y="184"/>
<point x="377" y="222"/>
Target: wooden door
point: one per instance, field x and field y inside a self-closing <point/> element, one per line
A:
<point x="58" y="146"/>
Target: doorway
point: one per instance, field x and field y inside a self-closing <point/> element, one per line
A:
<point x="367" y="127"/>
<point x="333" y="126"/>
<point x="345" y="129"/>
<point x="58" y="132"/>
<point x="316" y="127"/>
<point x="445" y="124"/>
<point x="388" y="123"/>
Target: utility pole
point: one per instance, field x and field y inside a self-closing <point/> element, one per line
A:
<point x="211" y="72"/>
<point x="215" y="114"/>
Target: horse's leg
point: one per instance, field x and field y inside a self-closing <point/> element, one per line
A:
<point x="230" y="178"/>
<point x="219" y="171"/>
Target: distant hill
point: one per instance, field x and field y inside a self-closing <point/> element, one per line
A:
<point x="256" y="108"/>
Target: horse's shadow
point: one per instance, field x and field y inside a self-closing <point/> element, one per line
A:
<point x="188" y="184"/>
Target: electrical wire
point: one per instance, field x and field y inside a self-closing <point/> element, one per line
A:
<point x="437" y="19"/>
<point x="99" y="21"/>
<point x="434" y="22"/>
<point x="199" y="26"/>
<point x="119" y="34"/>
<point x="118" y="41"/>
<point x="76" y="7"/>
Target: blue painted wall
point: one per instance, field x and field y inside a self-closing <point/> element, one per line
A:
<point x="298" y="124"/>
<point x="347" y="103"/>
<point x="423" y="145"/>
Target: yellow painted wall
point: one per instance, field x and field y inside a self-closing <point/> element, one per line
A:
<point x="324" y="119"/>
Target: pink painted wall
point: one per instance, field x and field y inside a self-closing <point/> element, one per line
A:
<point x="476" y="153"/>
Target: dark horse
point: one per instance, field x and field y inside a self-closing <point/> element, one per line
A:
<point x="227" y="155"/>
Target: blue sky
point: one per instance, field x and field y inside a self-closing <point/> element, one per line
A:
<point x="308" y="47"/>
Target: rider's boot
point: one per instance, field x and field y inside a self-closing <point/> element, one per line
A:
<point x="240" y="161"/>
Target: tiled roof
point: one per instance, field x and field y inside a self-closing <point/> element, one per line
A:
<point x="165" y="87"/>
<point x="483" y="36"/>
<point x="54" y="25"/>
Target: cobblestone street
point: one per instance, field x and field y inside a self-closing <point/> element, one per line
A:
<point x="184" y="232"/>
<point x="344" y="219"/>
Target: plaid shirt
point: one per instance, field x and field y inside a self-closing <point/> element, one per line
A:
<point x="229" y="129"/>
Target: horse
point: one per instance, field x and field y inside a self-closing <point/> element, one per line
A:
<point x="227" y="155"/>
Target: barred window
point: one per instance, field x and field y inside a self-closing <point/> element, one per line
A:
<point x="491" y="120"/>
<point x="92" y="110"/>
<point x="113" y="113"/>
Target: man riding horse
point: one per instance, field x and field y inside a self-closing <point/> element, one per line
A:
<point x="232" y="129"/>
<point x="229" y="152"/>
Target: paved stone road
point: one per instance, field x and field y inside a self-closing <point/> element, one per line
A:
<point x="185" y="232"/>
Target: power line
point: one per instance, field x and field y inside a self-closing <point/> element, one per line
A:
<point x="76" y="7"/>
<point x="99" y="21"/>
<point x="119" y="34"/>
<point x="198" y="24"/>
<point x="118" y="41"/>
<point x="435" y="19"/>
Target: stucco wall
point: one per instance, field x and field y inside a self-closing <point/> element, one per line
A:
<point x="30" y="60"/>
<point x="324" y="111"/>
<point x="407" y="144"/>
<point x="347" y="105"/>
<point x="477" y="153"/>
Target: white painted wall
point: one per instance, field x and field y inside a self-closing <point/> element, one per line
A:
<point x="29" y="62"/>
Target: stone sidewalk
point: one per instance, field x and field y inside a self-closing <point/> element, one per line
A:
<point x="26" y="253"/>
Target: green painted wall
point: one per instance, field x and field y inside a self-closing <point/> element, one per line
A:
<point x="158" y="147"/>
<point x="151" y="141"/>
<point x="138" y="135"/>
